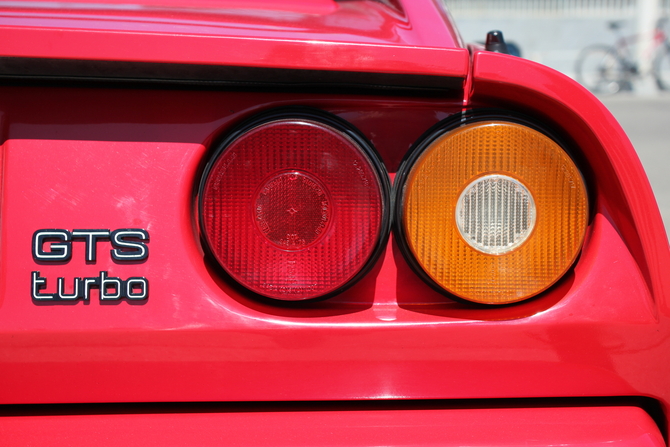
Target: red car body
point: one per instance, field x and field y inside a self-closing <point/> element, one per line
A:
<point x="108" y="113"/>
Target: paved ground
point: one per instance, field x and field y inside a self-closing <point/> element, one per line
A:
<point x="646" y="120"/>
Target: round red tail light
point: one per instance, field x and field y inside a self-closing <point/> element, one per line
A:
<point x="295" y="206"/>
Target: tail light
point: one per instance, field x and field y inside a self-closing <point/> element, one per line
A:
<point x="491" y="211"/>
<point x="295" y="206"/>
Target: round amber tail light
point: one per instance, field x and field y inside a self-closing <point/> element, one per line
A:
<point x="295" y="206"/>
<point x="491" y="211"/>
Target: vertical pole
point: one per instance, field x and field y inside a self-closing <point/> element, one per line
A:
<point x="648" y="13"/>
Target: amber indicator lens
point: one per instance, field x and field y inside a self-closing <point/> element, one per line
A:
<point x="493" y="212"/>
<point x="293" y="208"/>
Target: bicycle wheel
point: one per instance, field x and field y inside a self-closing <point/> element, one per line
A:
<point x="662" y="68"/>
<point x="600" y="69"/>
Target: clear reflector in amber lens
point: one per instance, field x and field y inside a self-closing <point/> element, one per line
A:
<point x="493" y="212"/>
<point x="294" y="208"/>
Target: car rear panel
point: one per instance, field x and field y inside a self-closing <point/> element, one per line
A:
<point x="114" y="132"/>
<point x="109" y="158"/>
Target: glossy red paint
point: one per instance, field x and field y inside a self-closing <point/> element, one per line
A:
<point x="625" y="426"/>
<point x="110" y="156"/>
<point x="294" y="6"/>
<point x="360" y="36"/>
<point x="198" y="335"/>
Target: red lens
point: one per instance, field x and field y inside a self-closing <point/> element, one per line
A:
<point x="293" y="208"/>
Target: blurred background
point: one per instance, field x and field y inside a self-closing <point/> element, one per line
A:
<point x="619" y="49"/>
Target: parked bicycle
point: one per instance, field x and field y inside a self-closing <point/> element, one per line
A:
<point x="609" y="69"/>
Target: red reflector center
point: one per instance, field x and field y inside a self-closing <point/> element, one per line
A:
<point x="292" y="210"/>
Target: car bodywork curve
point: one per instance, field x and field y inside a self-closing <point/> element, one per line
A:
<point x="108" y="115"/>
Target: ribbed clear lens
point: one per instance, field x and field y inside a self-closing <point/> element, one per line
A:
<point x="495" y="214"/>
